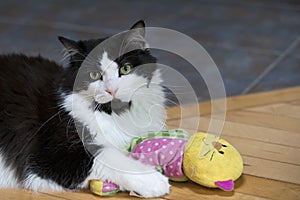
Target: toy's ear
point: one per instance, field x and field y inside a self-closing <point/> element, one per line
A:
<point x="225" y="185"/>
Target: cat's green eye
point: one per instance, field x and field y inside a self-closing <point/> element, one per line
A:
<point x="95" y="75"/>
<point x="125" y="69"/>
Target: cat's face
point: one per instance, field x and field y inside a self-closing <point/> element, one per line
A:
<point x="110" y="82"/>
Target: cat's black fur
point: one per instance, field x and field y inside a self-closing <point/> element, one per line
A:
<point x="37" y="136"/>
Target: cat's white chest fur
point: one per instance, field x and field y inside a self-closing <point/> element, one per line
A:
<point x="147" y="113"/>
<point x="144" y="115"/>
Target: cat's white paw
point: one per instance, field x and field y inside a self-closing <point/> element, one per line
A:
<point x="128" y="174"/>
<point x="147" y="185"/>
<point x="103" y="97"/>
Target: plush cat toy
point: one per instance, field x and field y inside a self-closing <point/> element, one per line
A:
<point x="202" y="158"/>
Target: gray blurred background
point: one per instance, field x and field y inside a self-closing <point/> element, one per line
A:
<point x="255" y="44"/>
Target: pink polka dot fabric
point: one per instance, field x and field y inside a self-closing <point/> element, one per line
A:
<point x="164" y="152"/>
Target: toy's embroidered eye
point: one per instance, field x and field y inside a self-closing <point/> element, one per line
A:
<point x="211" y="157"/>
<point x="221" y="152"/>
<point x="125" y="69"/>
<point x="95" y="75"/>
<point x="223" y="145"/>
<point x="205" y="153"/>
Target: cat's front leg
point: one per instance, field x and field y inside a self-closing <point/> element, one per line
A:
<point x="129" y="174"/>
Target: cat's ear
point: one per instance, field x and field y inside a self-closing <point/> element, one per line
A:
<point x="135" y="37"/>
<point x="71" y="46"/>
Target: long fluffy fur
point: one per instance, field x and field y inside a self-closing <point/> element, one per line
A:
<point x="52" y="137"/>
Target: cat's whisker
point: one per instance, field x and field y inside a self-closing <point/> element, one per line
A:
<point x="32" y="136"/>
<point x="71" y="120"/>
<point x="52" y="117"/>
<point x="168" y="92"/>
<point x="173" y="86"/>
<point x="96" y="106"/>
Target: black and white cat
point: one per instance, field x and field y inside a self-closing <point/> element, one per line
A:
<point x="45" y="120"/>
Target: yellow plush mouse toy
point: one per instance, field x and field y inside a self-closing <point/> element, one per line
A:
<point x="202" y="158"/>
<point x="212" y="162"/>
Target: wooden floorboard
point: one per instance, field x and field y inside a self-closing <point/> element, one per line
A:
<point x="264" y="120"/>
<point x="297" y="102"/>
<point x="264" y="128"/>
<point x="20" y="194"/>
<point x="237" y="102"/>
<point x="271" y="169"/>
<point x="282" y="109"/>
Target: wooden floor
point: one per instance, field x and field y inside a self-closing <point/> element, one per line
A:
<point x="264" y="127"/>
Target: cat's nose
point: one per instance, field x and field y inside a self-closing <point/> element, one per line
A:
<point x="112" y="92"/>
